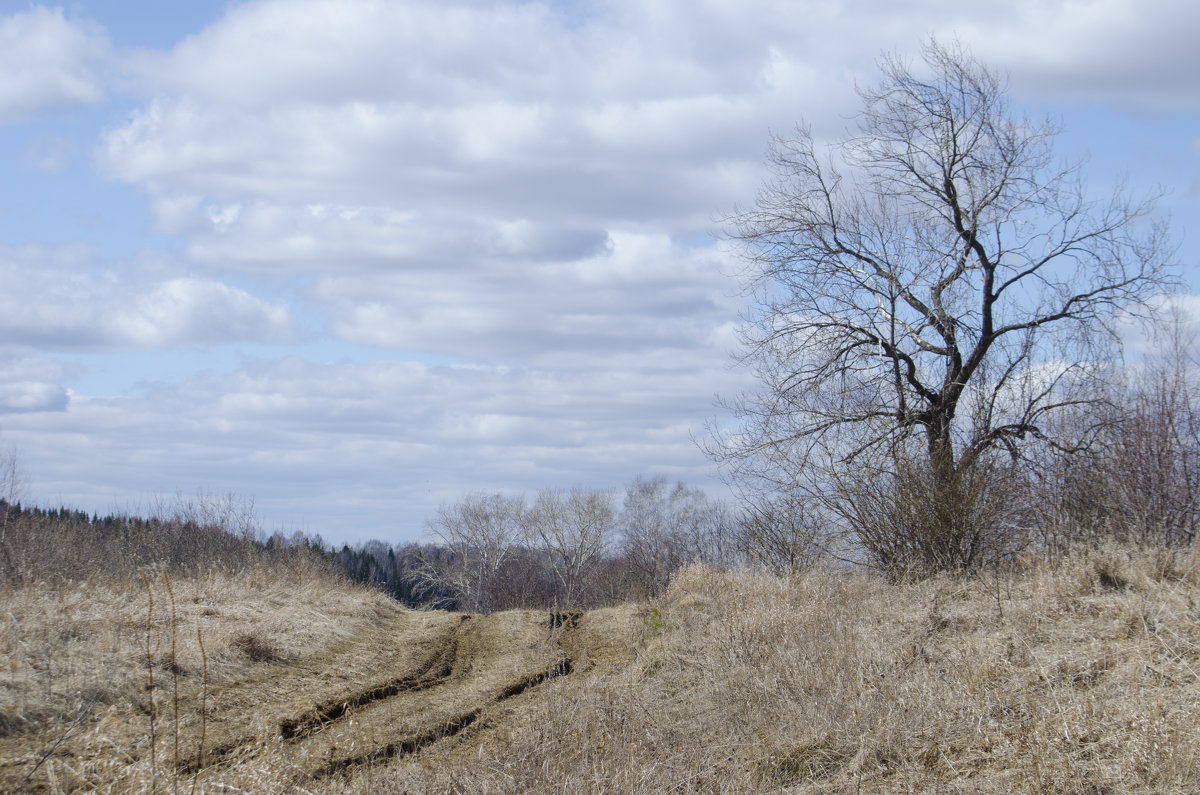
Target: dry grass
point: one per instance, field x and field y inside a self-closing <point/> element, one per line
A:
<point x="1083" y="677"/>
<point x="76" y="691"/>
<point x="1079" y="677"/>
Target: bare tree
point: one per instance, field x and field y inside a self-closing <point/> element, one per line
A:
<point x="13" y="480"/>
<point x="12" y="485"/>
<point x="1155" y="474"/>
<point x="229" y="512"/>
<point x="665" y="526"/>
<point x="572" y="529"/>
<point x="480" y="531"/>
<point x="927" y="297"/>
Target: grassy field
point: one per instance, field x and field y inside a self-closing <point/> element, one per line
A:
<point x="1077" y="677"/>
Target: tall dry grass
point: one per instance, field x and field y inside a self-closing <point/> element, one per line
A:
<point x="108" y="684"/>
<point x="1081" y="676"/>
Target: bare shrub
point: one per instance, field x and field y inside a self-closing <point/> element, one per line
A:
<point x="779" y="533"/>
<point x="665" y="526"/>
<point x="910" y="520"/>
<point x="1139" y="477"/>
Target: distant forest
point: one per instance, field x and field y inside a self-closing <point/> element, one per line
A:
<point x="490" y="552"/>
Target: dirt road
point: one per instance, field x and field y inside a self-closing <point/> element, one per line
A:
<point x="409" y="681"/>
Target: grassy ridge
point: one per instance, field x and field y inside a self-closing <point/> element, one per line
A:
<point x="89" y="662"/>
<point x="1079" y="677"/>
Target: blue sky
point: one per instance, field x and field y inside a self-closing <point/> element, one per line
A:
<point x="354" y="259"/>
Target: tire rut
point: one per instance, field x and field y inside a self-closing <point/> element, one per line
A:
<point x="408" y="745"/>
<point x="558" y="623"/>
<point x="435" y="670"/>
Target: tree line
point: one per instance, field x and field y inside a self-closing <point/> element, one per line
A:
<point x="185" y="534"/>
<point x="487" y="551"/>
<point x="574" y="548"/>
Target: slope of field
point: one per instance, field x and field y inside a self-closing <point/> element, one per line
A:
<point x="1079" y="677"/>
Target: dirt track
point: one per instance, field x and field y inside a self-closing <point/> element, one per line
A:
<point x="443" y="677"/>
<point x="411" y="680"/>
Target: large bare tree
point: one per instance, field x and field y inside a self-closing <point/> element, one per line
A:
<point x="929" y="291"/>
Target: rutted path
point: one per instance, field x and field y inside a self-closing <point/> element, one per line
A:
<point x="404" y="682"/>
<point x="297" y="725"/>
<point x="471" y="665"/>
<point x="433" y="671"/>
<point x="497" y="657"/>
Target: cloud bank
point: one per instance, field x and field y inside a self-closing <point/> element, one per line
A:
<point x="48" y="61"/>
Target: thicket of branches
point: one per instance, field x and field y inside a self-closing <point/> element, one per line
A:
<point x="578" y="548"/>
<point x="1138" y="478"/>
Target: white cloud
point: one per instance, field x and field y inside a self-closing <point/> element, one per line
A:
<point x="370" y="449"/>
<point x="1175" y="332"/>
<point x="187" y="311"/>
<point x="29" y="384"/>
<point x="500" y="110"/>
<point x="1134" y="53"/>
<point x="61" y="297"/>
<point x="641" y="113"/>
<point x="610" y="163"/>
<point x="48" y="61"/>
<point x="640" y="293"/>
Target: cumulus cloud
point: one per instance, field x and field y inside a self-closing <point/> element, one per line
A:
<point x="1132" y="53"/>
<point x="503" y="110"/>
<point x="639" y="293"/>
<point x="357" y="239"/>
<point x="636" y="113"/>
<point x="369" y="449"/>
<point x="607" y="164"/>
<point x="30" y="384"/>
<point x="61" y="297"/>
<point x="18" y="396"/>
<point x="49" y="61"/>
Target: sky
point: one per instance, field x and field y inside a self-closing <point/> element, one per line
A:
<point x="353" y="259"/>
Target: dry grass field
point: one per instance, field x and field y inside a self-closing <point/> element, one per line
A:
<point x="1077" y="677"/>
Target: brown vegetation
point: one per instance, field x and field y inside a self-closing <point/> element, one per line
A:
<point x="1075" y="676"/>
